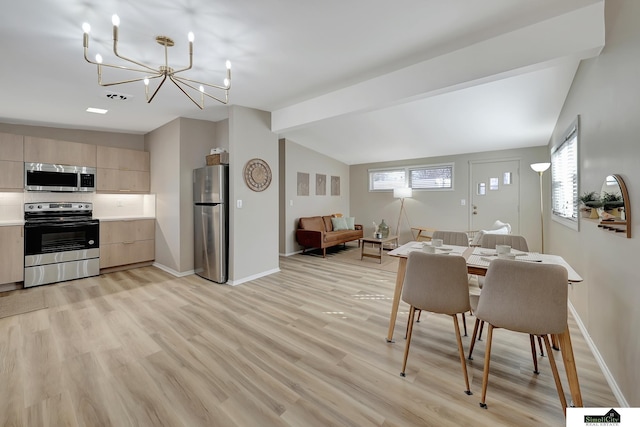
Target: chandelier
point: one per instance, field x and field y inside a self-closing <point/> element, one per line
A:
<point x="163" y="71"/>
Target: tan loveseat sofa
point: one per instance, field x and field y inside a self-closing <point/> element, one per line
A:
<point x="318" y="232"/>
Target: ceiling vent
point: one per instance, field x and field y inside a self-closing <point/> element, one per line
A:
<point x="118" y="96"/>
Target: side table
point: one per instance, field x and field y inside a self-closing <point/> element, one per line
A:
<point x="379" y="242"/>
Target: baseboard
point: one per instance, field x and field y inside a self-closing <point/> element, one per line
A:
<point x="253" y="277"/>
<point x="291" y="253"/>
<point x="622" y="402"/>
<point x="172" y="271"/>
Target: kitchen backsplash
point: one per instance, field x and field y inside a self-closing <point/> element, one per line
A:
<point x="104" y="205"/>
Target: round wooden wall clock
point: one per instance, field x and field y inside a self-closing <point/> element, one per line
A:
<point x="257" y="174"/>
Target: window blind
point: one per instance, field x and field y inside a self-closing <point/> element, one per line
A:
<point x="564" y="179"/>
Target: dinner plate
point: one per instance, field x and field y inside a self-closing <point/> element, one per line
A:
<point x="445" y="249"/>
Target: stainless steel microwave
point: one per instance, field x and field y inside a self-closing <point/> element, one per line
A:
<point x="62" y="178"/>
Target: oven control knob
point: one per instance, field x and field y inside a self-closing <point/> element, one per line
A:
<point x="91" y="242"/>
<point x="39" y="206"/>
<point x="30" y="206"/>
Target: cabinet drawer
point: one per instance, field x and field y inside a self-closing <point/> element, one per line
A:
<point x="116" y="254"/>
<point x="126" y="231"/>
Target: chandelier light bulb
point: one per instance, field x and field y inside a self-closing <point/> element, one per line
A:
<point x="165" y="72"/>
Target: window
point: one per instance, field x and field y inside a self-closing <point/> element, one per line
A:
<point x="564" y="179"/>
<point x="434" y="177"/>
<point x="387" y="179"/>
<point x="431" y="177"/>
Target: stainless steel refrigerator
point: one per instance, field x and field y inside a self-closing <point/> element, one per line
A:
<point x="210" y="222"/>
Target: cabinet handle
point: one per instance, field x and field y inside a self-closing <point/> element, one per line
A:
<point x="129" y="243"/>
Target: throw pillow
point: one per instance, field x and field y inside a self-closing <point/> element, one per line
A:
<point x="339" y="224"/>
<point x="499" y="224"/>
<point x="477" y="238"/>
<point x="351" y="222"/>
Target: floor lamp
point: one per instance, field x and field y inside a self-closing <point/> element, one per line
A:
<point x="540" y="168"/>
<point x="402" y="193"/>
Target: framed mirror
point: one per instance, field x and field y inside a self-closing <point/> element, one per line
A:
<point x="615" y="213"/>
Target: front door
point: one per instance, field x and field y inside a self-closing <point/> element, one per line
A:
<point x="495" y="194"/>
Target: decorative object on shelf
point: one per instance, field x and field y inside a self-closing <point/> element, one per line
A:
<point x="615" y="207"/>
<point x="257" y="174"/>
<point x="218" y="159"/>
<point x="590" y="202"/>
<point x="540" y="168"/>
<point x="376" y="231"/>
<point x="163" y="71"/>
<point x="402" y="193"/>
<point x="383" y="228"/>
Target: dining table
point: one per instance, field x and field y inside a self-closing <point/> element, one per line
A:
<point x="478" y="260"/>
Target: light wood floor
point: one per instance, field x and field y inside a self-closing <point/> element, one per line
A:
<point x="304" y="347"/>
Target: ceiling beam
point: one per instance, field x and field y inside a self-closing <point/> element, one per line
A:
<point x="579" y="34"/>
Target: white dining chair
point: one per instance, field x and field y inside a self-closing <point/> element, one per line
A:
<point x="524" y="297"/>
<point x="437" y="284"/>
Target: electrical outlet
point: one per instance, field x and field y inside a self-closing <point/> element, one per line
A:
<point x="239" y="204"/>
<point x="118" y="203"/>
<point x="463" y="202"/>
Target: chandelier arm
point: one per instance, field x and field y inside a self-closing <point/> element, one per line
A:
<point x="190" y="59"/>
<point x="115" y="51"/>
<point x="156" y="91"/>
<point x="177" y="83"/>
<point x="177" y="80"/>
<point x="185" y="80"/>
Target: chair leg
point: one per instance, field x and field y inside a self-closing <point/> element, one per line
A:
<point x="540" y="345"/>
<point x="556" y="377"/>
<point x="419" y="314"/>
<point x="461" y="352"/>
<point x="485" y="375"/>
<point x="554" y="342"/>
<point x="324" y="252"/>
<point x="464" y="323"/>
<point x="412" y="312"/>
<point x="473" y="338"/>
<point x="533" y="353"/>
<point x="480" y="331"/>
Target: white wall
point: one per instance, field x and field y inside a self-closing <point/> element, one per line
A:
<point x="253" y="243"/>
<point x="175" y="150"/>
<point x="164" y="152"/>
<point x="442" y="209"/>
<point x="606" y="93"/>
<point x="296" y="159"/>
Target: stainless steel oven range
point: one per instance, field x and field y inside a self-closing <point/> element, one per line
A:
<point x="61" y="242"/>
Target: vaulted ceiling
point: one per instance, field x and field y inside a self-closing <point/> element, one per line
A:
<point x="361" y="81"/>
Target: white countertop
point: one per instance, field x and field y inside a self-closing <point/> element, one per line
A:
<point x="122" y="218"/>
<point x="9" y="222"/>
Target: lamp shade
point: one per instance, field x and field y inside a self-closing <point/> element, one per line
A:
<point x="401" y="193"/>
<point x="540" y="167"/>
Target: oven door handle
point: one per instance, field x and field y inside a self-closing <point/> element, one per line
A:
<point x="60" y="224"/>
